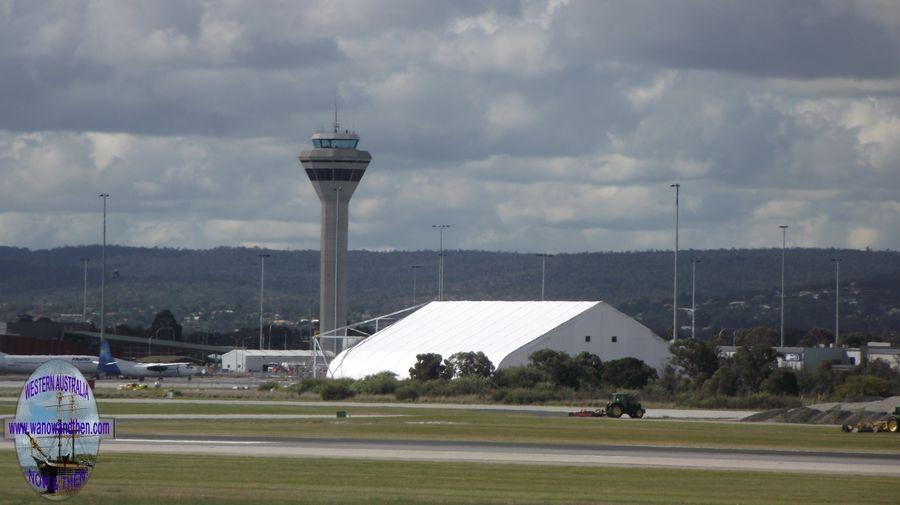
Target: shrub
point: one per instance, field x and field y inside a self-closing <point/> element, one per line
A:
<point x="434" y="387"/>
<point x="307" y="386"/>
<point x="528" y="396"/>
<point x="268" y="386"/>
<point x="519" y="377"/>
<point x="758" y="401"/>
<point x="406" y="391"/>
<point x="456" y="387"/>
<point x="474" y="385"/>
<point x="863" y="385"/>
<point x="382" y="383"/>
<point x="339" y="389"/>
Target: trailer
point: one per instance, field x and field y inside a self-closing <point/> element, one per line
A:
<point x="890" y="424"/>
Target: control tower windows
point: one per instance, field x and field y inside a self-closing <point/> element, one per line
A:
<point x="335" y="143"/>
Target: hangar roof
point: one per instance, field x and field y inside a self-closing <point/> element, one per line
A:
<point x="445" y="328"/>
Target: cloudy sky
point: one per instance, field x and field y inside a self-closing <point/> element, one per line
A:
<point x="530" y="126"/>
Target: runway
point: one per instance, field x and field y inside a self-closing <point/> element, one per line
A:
<point x="514" y="453"/>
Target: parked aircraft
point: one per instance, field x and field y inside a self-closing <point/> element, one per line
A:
<point x="26" y="364"/>
<point x="125" y="368"/>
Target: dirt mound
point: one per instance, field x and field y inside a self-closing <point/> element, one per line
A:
<point x="830" y="413"/>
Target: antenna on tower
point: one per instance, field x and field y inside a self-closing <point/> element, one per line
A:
<point x="336" y="124"/>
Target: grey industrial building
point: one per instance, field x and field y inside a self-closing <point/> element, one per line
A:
<point x="256" y="360"/>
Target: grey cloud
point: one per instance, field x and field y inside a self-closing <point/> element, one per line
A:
<point x="798" y="38"/>
<point x="205" y="107"/>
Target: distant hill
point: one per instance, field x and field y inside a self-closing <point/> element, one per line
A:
<point x="218" y="289"/>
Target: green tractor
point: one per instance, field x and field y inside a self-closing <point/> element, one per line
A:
<point x="624" y="403"/>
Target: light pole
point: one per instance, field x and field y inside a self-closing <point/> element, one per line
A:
<point x="543" y="257"/>
<point x="269" y="333"/>
<point x="415" y="270"/>
<point x="784" y="228"/>
<point x="694" y="297"/>
<point x="84" y="262"/>
<point x="675" y="283"/>
<point x="105" y="197"/>
<point x="837" y="298"/>
<point x="115" y="292"/>
<point x="262" y="284"/>
<point x="440" y="228"/>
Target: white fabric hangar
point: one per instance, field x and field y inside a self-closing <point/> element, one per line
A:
<point x="507" y="332"/>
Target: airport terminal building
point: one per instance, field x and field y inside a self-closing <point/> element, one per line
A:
<point x="507" y="332"/>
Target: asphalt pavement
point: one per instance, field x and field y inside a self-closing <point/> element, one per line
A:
<point x="515" y="453"/>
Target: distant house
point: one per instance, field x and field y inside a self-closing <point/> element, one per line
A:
<point x="882" y="351"/>
<point x="798" y="358"/>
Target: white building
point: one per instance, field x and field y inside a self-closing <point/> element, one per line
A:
<point x="255" y="360"/>
<point x="507" y="332"/>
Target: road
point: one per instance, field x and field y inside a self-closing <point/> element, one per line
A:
<point x="515" y="453"/>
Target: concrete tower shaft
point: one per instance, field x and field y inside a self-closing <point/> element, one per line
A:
<point x="334" y="167"/>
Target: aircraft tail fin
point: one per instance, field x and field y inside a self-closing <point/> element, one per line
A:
<point x="106" y="362"/>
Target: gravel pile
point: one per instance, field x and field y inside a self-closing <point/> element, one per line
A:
<point x="830" y="413"/>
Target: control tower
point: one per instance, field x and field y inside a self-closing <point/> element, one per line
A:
<point x="335" y="167"/>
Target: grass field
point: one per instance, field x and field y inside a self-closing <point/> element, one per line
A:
<point x="155" y="479"/>
<point x="470" y="425"/>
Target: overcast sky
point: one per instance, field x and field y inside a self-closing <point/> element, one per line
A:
<point x="528" y="126"/>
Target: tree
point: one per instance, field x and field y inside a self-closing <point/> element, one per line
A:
<point x="820" y="381"/>
<point x="724" y="382"/>
<point x="696" y="359"/>
<point x="630" y="373"/>
<point x="428" y="367"/>
<point x="590" y="369"/>
<point x="782" y="382"/>
<point x="468" y="364"/>
<point x="854" y="339"/>
<point x="164" y="323"/>
<point x="562" y="370"/>
<point x="758" y="335"/>
<point x="722" y="337"/>
<point x="815" y="337"/>
<point x="753" y="364"/>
